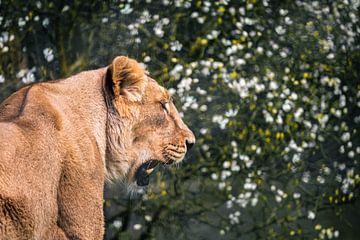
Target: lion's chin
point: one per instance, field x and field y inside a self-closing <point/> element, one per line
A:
<point x="142" y="174"/>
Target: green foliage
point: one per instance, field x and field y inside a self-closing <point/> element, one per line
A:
<point x="271" y="89"/>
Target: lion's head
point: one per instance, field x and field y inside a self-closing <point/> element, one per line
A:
<point x="144" y="127"/>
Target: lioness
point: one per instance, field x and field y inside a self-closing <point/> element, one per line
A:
<point x="60" y="140"/>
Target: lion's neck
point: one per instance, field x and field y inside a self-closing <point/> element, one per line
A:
<point x="117" y="153"/>
<point x="89" y="105"/>
<point x="117" y="161"/>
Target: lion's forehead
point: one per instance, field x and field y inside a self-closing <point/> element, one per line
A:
<point x="158" y="92"/>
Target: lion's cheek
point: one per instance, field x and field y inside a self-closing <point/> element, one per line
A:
<point x="149" y="145"/>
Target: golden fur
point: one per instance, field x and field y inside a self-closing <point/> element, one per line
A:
<point x="60" y="140"/>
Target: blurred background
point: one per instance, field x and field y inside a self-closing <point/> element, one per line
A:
<point x="270" y="88"/>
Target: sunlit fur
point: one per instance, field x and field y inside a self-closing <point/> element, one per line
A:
<point x="61" y="140"/>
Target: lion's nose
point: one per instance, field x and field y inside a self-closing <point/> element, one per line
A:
<point x="189" y="137"/>
<point x="189" y="143"/>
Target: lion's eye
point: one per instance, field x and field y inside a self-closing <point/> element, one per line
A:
<point x="165" y="106"/>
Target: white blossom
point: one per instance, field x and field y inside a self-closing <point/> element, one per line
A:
<point x="311" y="215"/>
<point x="48" y="54"/>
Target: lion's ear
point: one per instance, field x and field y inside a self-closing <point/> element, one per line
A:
<point x="128" y="78"/>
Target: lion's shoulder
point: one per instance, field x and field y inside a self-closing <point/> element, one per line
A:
<point x="13" y="106"/>
<point x="31" y="106"/>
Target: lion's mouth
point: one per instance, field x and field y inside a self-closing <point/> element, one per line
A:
<point x="143" y="173"/>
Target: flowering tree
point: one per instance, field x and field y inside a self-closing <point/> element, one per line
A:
<point x="271" y="89"/>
